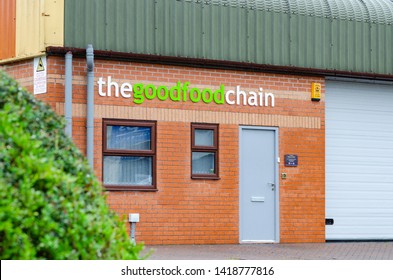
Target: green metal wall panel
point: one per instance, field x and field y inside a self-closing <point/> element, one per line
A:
<point x="347" y="35"/>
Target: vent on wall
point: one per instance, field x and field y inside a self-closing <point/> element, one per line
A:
<point x="329" y="222"/>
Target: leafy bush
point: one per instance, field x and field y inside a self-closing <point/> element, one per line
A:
<point x="51" y="204"/>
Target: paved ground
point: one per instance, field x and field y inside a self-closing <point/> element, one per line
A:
<point x="318" y="251"/>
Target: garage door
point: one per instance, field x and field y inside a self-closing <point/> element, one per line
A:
<point x="359" y="161"/>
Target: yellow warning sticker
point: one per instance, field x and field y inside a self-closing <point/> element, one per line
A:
<point x="40" y="66"/>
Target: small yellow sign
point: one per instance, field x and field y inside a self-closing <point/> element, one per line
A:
<point x="315" y="91"/>
<point x="40" y="66"/>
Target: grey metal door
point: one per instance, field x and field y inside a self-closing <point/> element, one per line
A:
<point x="258" y="190"/>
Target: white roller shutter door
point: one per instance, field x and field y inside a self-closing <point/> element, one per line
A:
<point x="359" y="160"/>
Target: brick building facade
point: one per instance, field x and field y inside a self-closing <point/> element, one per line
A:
<point x="185" y="210"/>
<point x="205" y="123"/>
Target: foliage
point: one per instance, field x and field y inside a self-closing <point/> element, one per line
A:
<point x="51" y="204"/>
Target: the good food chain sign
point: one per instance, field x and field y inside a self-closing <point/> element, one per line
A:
<point x="182" y="92"/>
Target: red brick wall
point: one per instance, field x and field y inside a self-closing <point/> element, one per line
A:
<point x="186" y="211"/>
<point x="22" y="71"/>
<point x="302" y="194"/>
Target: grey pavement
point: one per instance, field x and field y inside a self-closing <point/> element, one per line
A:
<point x="303" y="251"/>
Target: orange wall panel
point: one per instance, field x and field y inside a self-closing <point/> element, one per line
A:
<point x="7" y="28"/>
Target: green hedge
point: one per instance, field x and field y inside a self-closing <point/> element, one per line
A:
<point x="51" y="204"/>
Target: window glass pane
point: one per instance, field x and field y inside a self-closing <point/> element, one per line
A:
<point x="125" y="171"/>
<point x="204" y="137"/>
<point x="128" y="137"/>
<point x="202" y="163"/>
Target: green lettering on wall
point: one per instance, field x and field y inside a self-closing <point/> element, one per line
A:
<point x="184" y="89"/>
<point x="219" y="95"/>
<point x="194" y="98"/>
<point x="175" y="96"/>
<point x="165" y="94"/>
<point x="207" y="96"/>
<point x="150" y="91"/>
<point x="138" y="94"/>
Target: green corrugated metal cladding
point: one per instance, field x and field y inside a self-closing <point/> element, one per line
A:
<point x="347" y="35"/>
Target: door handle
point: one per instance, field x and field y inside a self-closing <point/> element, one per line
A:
<point x="272" y="185"/>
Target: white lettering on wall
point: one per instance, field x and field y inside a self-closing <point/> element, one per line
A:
<point x="126" y="87"/>
<point x="227" y="99"/>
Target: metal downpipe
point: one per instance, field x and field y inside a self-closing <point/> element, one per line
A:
<point x="90" y="105"/>
<point x="68" y="94"/>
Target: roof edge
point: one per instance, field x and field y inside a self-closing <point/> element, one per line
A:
<point x="372" y="11"/>
<point x="214" y="64"/>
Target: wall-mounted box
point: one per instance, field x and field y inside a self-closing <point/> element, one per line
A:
<point x="133" y="218"/>
<point x="316" y="91"/>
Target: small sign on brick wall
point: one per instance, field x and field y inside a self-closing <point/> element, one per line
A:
<point x="291" y="160"/>
<point x="39" y="75"/>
